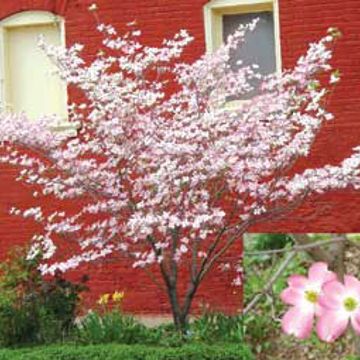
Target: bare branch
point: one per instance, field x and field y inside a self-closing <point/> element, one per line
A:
<point x="272" y="280"/>
<point x="295" y="248"/>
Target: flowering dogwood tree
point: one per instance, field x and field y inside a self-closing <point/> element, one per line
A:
<point x="166" y="171"/>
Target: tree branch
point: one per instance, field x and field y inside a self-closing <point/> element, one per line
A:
<point x="270" y="283"/>
<point x="296" y="248"/>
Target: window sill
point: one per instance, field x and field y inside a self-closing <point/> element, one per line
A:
<point x="69" y="129"/>
<point x="236" y="104"/>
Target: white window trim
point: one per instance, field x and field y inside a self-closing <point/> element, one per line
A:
<point x="31" y="18"/>
<point x="215" y="9"/>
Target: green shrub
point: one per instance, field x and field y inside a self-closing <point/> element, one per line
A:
<point x="134" y="352"/>
<point x="258" y="329"/>
<point x="113" y="327"/>
<point x="34" y="310"/>
<point x="168" y="336"/>
<point x="269" y="241"/>
<point x="217" y="327"/>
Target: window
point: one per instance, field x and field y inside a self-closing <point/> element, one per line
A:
<point x="28" y="83"/>
<point x="262" y="47"/>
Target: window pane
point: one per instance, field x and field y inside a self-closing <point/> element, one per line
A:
<point x="30" y="86"/>
<point x="259" y="46"/>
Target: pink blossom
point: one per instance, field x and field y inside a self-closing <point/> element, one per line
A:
<point x="340" y="304"/>
<point x="303" y="294"/>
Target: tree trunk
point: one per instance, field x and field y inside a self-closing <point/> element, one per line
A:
<point x="175" y="308"/>
<point x="190" y="294"/>
<point x="180" y="313"/>
<point x="337" y="251"/>
<point x="317" y="253"/>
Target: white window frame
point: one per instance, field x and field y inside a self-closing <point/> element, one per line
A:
<point x="216" y="9"/>
<point x="33" y="18"/>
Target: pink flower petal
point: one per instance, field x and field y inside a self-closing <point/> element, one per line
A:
<point x="331" y="325"/>
<point x="298" y="322"/>
<point x="319" y="310"/>
<point x="355" y="321"/>
<point x="320" y="273"/>
<point x="297" y="281"/>
<point x="332" y="295"/>
<point x="352" y="284"/>
<point x="292" y="296"/>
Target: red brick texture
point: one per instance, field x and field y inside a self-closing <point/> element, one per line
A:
<point x="301" y="21"/>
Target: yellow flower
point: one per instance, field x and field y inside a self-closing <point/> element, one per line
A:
<point x="118" y="296"/>
<point x="103" y="299"/>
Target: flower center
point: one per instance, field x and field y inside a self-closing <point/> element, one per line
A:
<point x="350" y="304"/>
<point x="311" y="296"/>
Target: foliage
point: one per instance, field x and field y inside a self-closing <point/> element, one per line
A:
<point x="259" y="269"/>
<point x="214" y="327"/>
<point x="258" y="330"/>
<point x="113" y="327"/>
<point x="133" y="352"/>
<point x="108" y="324"/>
<point x="262" y="324"/>
<point x="267" y="241"/>
<point x="168" y="335"/>
<point x="34" y="309"/>
<point x="45" y="313"/>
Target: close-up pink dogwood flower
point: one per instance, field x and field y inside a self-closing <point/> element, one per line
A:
<point x="303" y="294"/>
<point x="340" y="304"/>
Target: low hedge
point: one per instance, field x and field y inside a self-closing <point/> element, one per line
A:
<point x="130" y="352"/>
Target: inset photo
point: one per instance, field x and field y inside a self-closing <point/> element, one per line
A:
<point x="302" y="295"/>
<point x="146" y="146"/>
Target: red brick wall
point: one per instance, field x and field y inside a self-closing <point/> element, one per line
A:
<point x="301" y="21"/>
